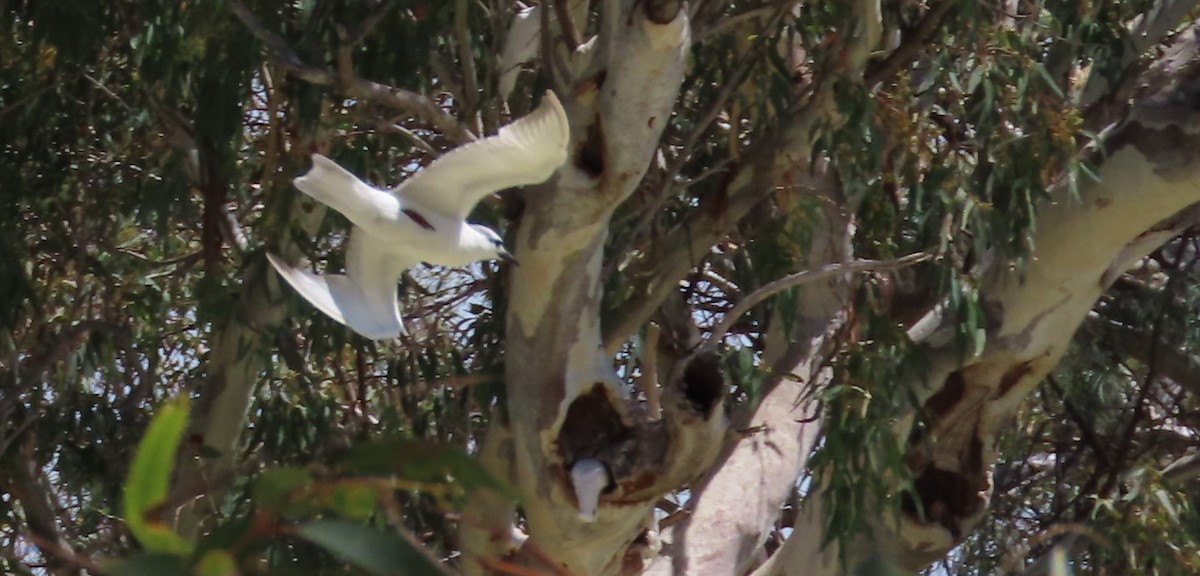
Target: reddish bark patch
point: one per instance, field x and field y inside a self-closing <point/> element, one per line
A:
<point x="634" y="485"/>
<point x="944" y="400"/>
<point x="1013" y="377"/>
<point x="950" y="498"/>
<point x="993" y="314"/>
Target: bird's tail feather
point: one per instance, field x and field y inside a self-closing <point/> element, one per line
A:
<point x="337" y="188"/>
<point x="340" y="299"/>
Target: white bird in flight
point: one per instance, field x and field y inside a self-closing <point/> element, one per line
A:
<point x="423" y="219"/>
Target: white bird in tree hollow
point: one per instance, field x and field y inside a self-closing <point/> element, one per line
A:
<point x="423" y="219"/>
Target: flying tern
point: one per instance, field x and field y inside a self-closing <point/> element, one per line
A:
<point x="423" y="219"/>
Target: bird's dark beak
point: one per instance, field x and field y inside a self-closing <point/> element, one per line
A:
<point x="507" y="256"/>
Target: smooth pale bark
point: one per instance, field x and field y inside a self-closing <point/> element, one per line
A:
<point x="222" y="404"/>
<point x="1082" y="245"/>
<point x="562" y="238"/>
<point x="735" y="507"/>
<point x="724" y="532"/>
<point x="737" y="504"/>
<point x="779" y="162"/>
<point x="219" y="416"/>
<point x="564" y="399"/>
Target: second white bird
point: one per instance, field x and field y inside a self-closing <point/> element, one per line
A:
<point x="423" y="219"/>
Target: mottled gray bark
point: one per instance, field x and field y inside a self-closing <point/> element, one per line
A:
<point x="1083" y="244"/>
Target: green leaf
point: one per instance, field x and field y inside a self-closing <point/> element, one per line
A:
<point x="1050" y="81"/>
<point x="149" y="480"/>
<point x="273" y="489"/>
<point x="1164" y="498"/>
<point x="216" y="563"/>
<point x="975" y="78"/>
<point x="420" y="461"/>
<point x="146" y="564"/>
<point x="374" y="551"/>
<point x="354" y="502"/>
<point x="980" y="340"/>
<point x="233" y="531"/>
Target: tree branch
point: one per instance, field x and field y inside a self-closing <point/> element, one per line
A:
<point x="462" y="40"/>
<point x="21" y="476"/>
<point x="781" y="159"/>
<point x="1082" y="234"/>
<point x="570" y="33"/>
<point x="776" y="158"/>
<point x="684" y="154"/>
<point x="1145" y="32"/>
<point x="349" y="83"/>
<point x="914" y="40"/>
<point x="792" y="280"/>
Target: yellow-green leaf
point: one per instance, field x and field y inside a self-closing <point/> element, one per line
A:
<point x="216" y="563"/>
<point x="149" y="480"/>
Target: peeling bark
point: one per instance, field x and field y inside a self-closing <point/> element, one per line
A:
<point x="566" y="402"/>
<point x="1149" y="175"/>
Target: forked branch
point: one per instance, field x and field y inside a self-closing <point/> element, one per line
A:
<point x="804" y="276"/>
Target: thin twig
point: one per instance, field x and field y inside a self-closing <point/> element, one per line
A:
<point x="727" y="23"/>
<point x="360" y="32"/>
<point x="462" y="37"/>
<point x="660" y="196"/>
<point x="411" y="136"/>
<point x="792" y="280"/>
<point x="109" y="92"/>
<point x="915" y="40"/>
<point x="567" y="24"/>
<point x="349" y="83"/>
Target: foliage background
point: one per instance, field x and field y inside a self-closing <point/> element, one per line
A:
<point x="148" y="149"/>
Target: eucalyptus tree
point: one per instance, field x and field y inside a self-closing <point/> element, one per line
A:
<point x="821" y="288"/>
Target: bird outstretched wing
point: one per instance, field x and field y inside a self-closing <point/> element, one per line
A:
<point x="334" y="186"/>
<point x="527" y="151"/>
<point x="364" y="299"/>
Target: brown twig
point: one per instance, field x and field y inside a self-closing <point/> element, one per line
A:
<point x="74" y="559"/>
<point x="462" y="38"/>
<point x="825" y="272"/>
<point x="348" y="82"/>
<point x="915" y="39"/>
<point x="21" y="476"/>
<point x="567" y="24"/>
